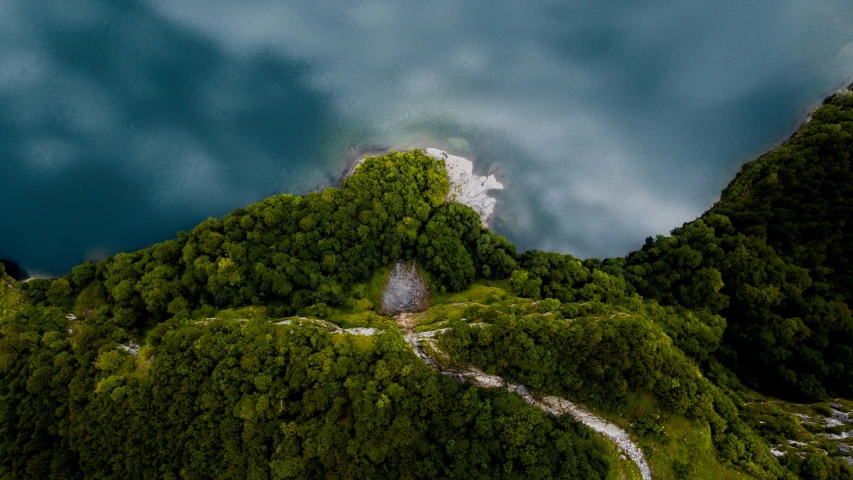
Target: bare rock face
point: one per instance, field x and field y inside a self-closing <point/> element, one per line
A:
<point x="405" y="290"/>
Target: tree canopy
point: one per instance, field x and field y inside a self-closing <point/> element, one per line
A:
<point x="757" y="289"/>
<point x="774" y="257"/>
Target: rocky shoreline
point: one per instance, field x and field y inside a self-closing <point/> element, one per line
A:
<point x="465" y="187"/>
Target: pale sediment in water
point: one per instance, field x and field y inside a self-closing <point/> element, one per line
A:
<point x="465" y="187"/>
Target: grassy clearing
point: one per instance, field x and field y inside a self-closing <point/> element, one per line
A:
<point x="252" y="312"/>
<point x="364" y="318"/>
<point x="361" y="342"/>
<point x="482" y="291"/>
<point x="363" y="307"/>
<point x="676" y="447"/>
<point x="800" y="429"/>
<point x="373" y="288"/>
<point x="11" y="298"/>
<point x="439" y="316"/>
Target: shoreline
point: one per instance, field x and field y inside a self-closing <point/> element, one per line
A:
<point x="466" y="187"/>
<point x="805" y="119"/>
<point x="355" y="157"/>
<point x="845" y="86"/>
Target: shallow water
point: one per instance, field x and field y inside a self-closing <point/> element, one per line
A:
<point x="123" y="122"/>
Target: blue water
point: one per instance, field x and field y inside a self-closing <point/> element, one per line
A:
<point x="123" y="122"/>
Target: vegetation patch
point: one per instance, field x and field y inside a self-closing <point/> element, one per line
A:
<point x="191" y="358"/>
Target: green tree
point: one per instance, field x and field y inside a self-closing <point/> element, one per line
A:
<point x="59" y="293"/>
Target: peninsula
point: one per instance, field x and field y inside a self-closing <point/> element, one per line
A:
<point x="465" y="187"/>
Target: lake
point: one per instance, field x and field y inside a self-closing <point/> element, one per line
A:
<point x="124" y="122"/>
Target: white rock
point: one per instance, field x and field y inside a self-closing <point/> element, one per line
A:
<point x="465" y="187"/>
<point x="132" y="348"/>
<point x="840" y="436"/>
<point x="360" y="331"/>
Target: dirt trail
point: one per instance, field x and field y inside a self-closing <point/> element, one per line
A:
<point x="550" y="404"/>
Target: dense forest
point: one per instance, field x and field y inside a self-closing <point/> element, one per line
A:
<point x="227" y="400"/>
<point x="129" y="368"/>
<point x="773" y="257"/>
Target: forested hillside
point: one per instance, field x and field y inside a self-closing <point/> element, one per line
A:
<point x="773" y="257"/>
<point x="209" y="398"/>
<point x="189" y="359"/>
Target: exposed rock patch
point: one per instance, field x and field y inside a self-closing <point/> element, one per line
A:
<point x="131" y="348"/>
<point x="331" y="327"/>
<point x="465" y="187"/>
<point x="405" y="290"/>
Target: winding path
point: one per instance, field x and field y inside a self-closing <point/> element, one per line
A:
<point x="549" y="404"/>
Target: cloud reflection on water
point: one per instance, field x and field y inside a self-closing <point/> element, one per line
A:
<point x="607" y="123"/>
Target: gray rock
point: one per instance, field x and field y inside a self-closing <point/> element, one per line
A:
<point x="405" y="290"/>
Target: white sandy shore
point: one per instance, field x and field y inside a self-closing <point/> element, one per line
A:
<point x="465" y="187"/>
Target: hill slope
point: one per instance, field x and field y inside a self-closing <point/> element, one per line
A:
<point x="774" y="257"/>
<point x="185" y="359"/>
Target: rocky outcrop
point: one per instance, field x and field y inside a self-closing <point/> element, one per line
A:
<point x="404" y="291"/>
<point x="465" y="187"/>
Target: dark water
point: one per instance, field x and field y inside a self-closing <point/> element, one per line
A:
<point x="123" y="122"/>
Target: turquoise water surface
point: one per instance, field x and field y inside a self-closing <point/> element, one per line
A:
<point x="123" y="122"/>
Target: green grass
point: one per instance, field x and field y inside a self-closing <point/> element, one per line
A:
<point x="779" y="421"/>
<point x="482" y="291"/>
<point x="251" y="312"/>
<point x="362" y="308"/>
<point x="439" y="316"/>
<point x="362" y="342"/>
<point x="684" y="441"/>
<point x="11" y="298"/>
<point x="372" y="290"/>
<point x="364" y="318"/>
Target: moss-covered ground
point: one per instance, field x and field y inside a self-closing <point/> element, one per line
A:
<point x="11" y="297"/>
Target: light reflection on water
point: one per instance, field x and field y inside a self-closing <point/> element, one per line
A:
<point x="123" y="123"/>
